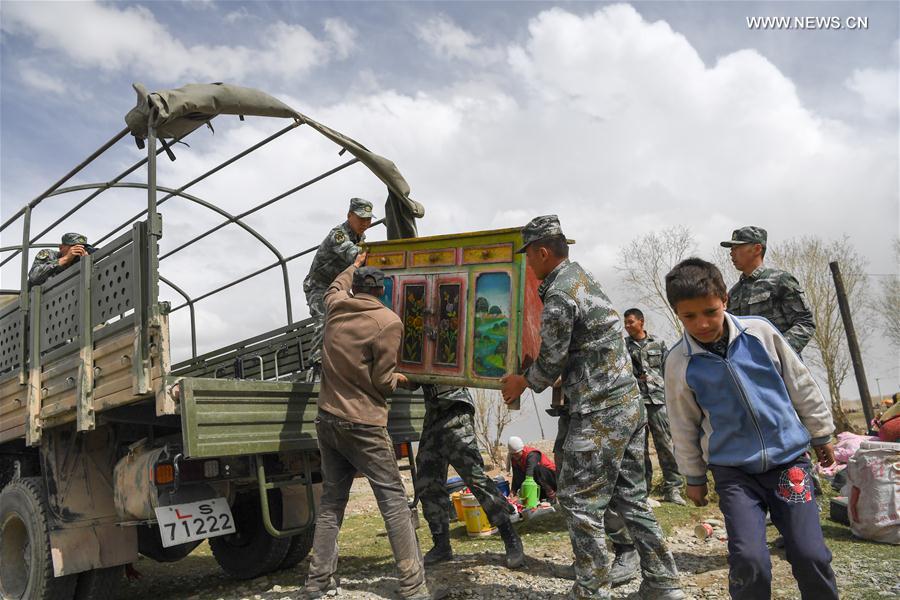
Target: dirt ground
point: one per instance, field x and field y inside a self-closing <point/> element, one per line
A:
<point x="864" y="569"/>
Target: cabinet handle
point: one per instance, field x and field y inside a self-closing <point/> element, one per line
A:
<point x="383" y="260"/>
<point x="434" y="258"/>
<point x="485" y="253"/>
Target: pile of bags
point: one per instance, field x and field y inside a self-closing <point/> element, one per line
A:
<point x="873" y="491"/>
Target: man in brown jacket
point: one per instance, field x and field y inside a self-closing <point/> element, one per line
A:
<point x="359" y="355"/>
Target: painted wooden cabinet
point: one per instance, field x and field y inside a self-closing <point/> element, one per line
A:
<point x="469" y="305"/>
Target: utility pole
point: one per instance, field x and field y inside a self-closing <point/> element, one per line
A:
<point x="852" y="344"/>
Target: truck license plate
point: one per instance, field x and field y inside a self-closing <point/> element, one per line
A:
<point x="192" y="521"/>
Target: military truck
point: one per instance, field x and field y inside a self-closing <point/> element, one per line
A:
<point x="108" y="449"/>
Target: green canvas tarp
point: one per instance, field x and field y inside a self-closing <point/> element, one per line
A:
<point x="180" y="111"/>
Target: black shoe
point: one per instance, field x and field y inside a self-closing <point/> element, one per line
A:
<point x="442" y="552"/>
<point x="625" y="566"/>
<point x="648" y="593"/>
<point x="515" y="554"/>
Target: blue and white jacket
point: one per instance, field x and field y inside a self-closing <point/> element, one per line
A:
<point x="755" y="409"/>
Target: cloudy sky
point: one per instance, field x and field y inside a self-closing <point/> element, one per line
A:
<point x="621" y="118"/>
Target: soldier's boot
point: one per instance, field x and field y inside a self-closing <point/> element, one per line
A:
<point x="626" y="565"/>
<point x="650" y="593"/>
<point x="442" y="551"/>
<point x="515" y="554"/>
<point x="674" y="496"/>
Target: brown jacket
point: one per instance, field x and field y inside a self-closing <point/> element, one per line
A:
<point x="359" y="354"/>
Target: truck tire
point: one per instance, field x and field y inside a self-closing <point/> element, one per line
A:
<point x="301" y="544"/>
<point x="26" y="567"/>
<point x="251" y="551"/>
<point x="150" y="545"/>
<point x="99" y="584"/>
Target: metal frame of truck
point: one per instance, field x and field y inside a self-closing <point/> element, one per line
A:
<point x="98" y="428"/>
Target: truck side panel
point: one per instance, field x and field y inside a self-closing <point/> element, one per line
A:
<point x="222" y="417"/>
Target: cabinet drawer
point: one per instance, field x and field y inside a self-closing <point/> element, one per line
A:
<point x="487" y="254"/>
<point x="388" y="260"/>
<point x="433" y="258"/>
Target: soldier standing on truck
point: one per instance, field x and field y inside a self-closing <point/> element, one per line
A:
<point x="336" y="252"/>
<point x="647" y="355"/>
<point x="448" y="437"/>
<point x="50" y="262"/>
<point x="359" y="357"/>
<point x="764" y="292"/>
<point x="603" y="462"/>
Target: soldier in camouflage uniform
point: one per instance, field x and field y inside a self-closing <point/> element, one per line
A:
<point x="336" y="252"/>
<point x="603" y="454"/>
<point x="626" y="562"/>
<point x="448" y="438"/>
<point x="50" y="262"/>
<point x="764" y="292"/>
<point x="647" y="355"/>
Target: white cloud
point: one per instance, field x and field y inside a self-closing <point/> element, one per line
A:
<point x="623" y="129"/>
<point x="41" y="81"/>
<point x="879" y="90"/>
<point x="449" y="41"/>
<point x="343" y="37"/>
<point x="235" y="16"/>
<point x="130" y="38"/>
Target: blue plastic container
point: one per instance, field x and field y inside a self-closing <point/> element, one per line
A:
<point x="455" y="484"/>
<point x="502" y="484"/>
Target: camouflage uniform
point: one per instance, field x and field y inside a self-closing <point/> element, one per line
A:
<point x="46" y="263"/>
<point x="777" y="296"/>
<point x="770" y="293"/>
<point x="647" y="357"/>
<point x="448" y="438"/>
<point x="613" y="525"/>
<point x="603" y="462"/>
<point x="336" y="252"/>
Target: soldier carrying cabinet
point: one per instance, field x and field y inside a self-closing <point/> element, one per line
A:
<point x="603" y="462"/>
<point x="448" y="438"/>
<point x="336" y="252"/>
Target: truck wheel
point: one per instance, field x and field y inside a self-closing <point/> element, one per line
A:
<point x="301" y="544"/>
<point x="26" y="567"/>
<point x="150" y="545"/>
<point x="99" y="584"/>
<point x="251" y="551"/>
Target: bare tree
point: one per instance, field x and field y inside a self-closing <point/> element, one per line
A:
<point x="888" y="303"/>
<point x="722" y="259"/>
<point x="645" y="262"/>
<point x="807" y="259"/>
<point x="492" y="417"/>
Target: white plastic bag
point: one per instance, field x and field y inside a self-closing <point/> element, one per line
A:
<point x="873" y="478"/>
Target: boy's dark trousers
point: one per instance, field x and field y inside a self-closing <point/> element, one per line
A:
<point x="786" y="492"/>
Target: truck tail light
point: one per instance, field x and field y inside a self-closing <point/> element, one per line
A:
<point x="164" y="474"/>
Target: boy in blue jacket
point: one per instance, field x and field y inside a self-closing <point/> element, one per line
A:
<point x="743" y="405"/>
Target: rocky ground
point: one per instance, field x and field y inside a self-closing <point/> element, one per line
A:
<point x="865" y="570"/>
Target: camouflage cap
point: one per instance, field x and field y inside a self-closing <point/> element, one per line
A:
<point x="368" y="277"/>
<point x="746" y="235"/>
<point x="540" y="228"/>
<point x="73" y="239"/>
<point x="361" y="208"/>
